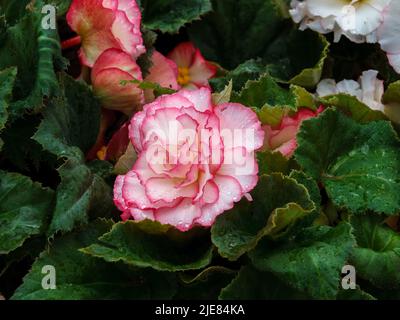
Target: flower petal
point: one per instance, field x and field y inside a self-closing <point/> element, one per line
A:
<point x="229" y="192"/>
<point x="182" y="216"/>
<point x="239" y="126"/>
<point x="183" y="54"/>
<point x="200" y="98"/>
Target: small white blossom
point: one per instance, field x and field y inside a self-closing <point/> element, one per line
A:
<point x="369" y="89"/>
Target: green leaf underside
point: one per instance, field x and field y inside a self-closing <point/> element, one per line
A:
<point x="132" y="243"/>
<point x="24" y="210"/>
<point x="359" y="165"/>
<point x="311" y="263"/>
<point x="79" y="276"/>
<point x="278" y="203"/>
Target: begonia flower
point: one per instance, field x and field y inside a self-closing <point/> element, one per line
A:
<point x="193" y="70"/>
<point x="110" y="69"/>
<point x="195" y="160"/>
<point x="282" y="137"/>
<point x="105" y="24"/>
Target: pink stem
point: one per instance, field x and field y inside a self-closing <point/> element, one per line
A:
<point x="73" y="42"/>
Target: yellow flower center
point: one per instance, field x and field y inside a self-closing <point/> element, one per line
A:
<point x="183" y="76"/>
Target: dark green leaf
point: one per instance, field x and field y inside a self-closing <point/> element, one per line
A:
<point x="358" y="164"/>
<point x="34" y="54"/>
<point x="311" y="263"/>
<point x="171" y="15"/>
<point x="207" y="285"/>
<point x="149" y="244"/>
<point x="24" y="210"/>
<point x="81" y="194"/>
<point x="239" y="230"/>
<point x="79" y="276"/>
<point x="377" y="256"/>
<point x="71" y="121"/>
<point x="251" y="284"/>
<point x="238" y="30"/>
<point x="7" y="78"/>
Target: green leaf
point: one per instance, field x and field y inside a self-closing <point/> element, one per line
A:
<point x="7" y="78"/>
<point x="171" y="15"/>
<point x="235" y="31"/>
<point x="249" y="70"/>
<point x="206" y="285"/>
<point x="353" y="107"/>
<point x="311" y="263"/>
<point x="354" y="294"/>
<point x="392" y="94"/>
<point x="264" y="92"/>
<point x="149" y="244"/>
<point x="81" y="194"/>
<point x="359" y="165"/>
<point x="34" y="54"/>
<point x="377" y="255"/>
<point x="69" y="128"/>
<point x="298" y="57"/>
<point x="391" y="99"/>
<point x="239" y="230"/>
<point x="71" y="121"/>
<point x="272" y="162"/>
<point x="79" y="276"/>
<point x="13" y="10"/>
<point x="22" y="152"/>
<point x="24" y="210"/>
<point x="252" y="284"/>
<point x="310" y="184"/>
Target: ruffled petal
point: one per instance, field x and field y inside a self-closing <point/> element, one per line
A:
<point x="201" y="98"/>
<point x="239" y="126"/>
<point x="230" y="192"/>
<point x="182" y="216"/>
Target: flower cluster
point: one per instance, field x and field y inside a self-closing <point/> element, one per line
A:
<point x="111" y="41"/>
<point x="193" y="159"/>
<point x="360" y="21"/>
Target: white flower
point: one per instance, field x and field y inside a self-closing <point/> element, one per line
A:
<point x="369" y="89"/>
<point x="389" y="34"/>
<point x="356" y="19"/>
<point x="360" y="21"/>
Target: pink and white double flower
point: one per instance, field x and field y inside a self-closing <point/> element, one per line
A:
<point x="106" y="24"/>
<point x="195" y="160"/>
